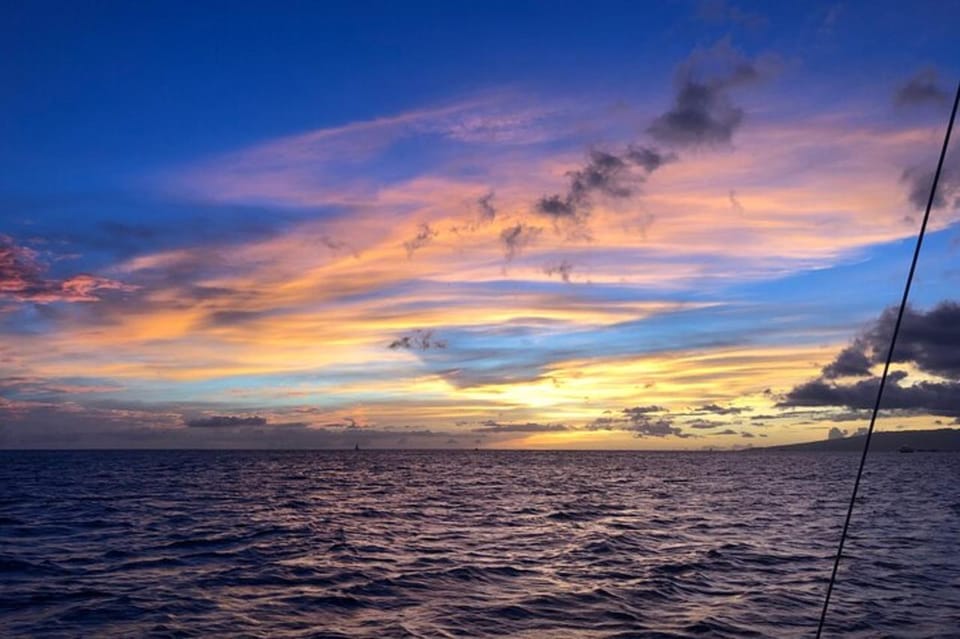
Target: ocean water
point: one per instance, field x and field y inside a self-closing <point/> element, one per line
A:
<point x="474" y="544"/>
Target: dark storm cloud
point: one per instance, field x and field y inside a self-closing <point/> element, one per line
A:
<point x="221" y="421"/>
<point x="851" y="362"/>
<point x="923" y="87"/>
<point x="728" y="431"/>
<point x="424" y="236"/>
<point x="928" y="340"/>
<point x="23" y="279"/>
<point x="920" y="179"/>
<point x="516" y="238"/>
<point x="604" y="173"/>
<point x="420" y="340"/>
<point x="491" y="426"/>
<point x="935" y="398"/>
<point x="703" y="113"/>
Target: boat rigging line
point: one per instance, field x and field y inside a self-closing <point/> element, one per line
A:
<point x="886" y="365"/>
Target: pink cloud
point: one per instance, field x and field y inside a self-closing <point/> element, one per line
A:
<point x="22" y="279"/>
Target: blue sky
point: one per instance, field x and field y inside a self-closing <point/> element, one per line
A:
<point x="556" y="213"/>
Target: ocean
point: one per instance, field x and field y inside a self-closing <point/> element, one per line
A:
<point x="474" y="544"/>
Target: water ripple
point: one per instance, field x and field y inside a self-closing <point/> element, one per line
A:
<point x="482" y="544"/>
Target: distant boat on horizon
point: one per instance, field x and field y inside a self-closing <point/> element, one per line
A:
<point x="356" y="446"/>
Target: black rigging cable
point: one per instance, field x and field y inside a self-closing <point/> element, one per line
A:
<point x="886" y="365"/>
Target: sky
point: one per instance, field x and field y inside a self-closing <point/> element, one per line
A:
<point x="606" y="225"/>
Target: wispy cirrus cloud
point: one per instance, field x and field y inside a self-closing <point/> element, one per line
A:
<point x="338" y="309"/>
<point x="319" y="168"/>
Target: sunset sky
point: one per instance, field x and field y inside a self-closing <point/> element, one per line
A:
<point x="472" y="224"/>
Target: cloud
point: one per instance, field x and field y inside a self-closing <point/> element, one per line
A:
<point x="639" y="420"/>
<point x="702" y="424"/>
<point x="919" y="180"/>
<point x="220" y="421"/>
<point x="43" y="387"/>
<point x="420" y="340"/>
<point x="851" y="362"/>
<point x="703" y="113"/>
<point x="645" y="410"/>
<point x="922" y="88"/>
<point x="928" y="339"/>
<point x="348" y="423"/>
<point x="336" y="245"/>
<point x="648" y="158"/>
<point x="604" y="173"/>
<point x="424" y="236"/>
<point x="720" y="410"/>
<point x="516" y="238"/>
<point x="836" y="433"/>
<point x="934" y="398"/>
<point x="563" y="269"/>
<point x="22" y="279"/>
<point x="491" y="426"/>
<point x="488" y="212"/>
<point x="645" y="426"/>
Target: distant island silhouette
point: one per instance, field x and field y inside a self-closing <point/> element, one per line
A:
<point x="941" y="439"/>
